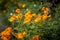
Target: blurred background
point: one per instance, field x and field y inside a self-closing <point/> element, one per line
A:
<point x="7" y="7"/>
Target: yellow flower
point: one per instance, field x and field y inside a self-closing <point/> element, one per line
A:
<point x="19" y="16"/>
<point x="44" y="16"/>
<point x="26" y="20"/>
<point x="24" y="33"/>
<point x="33" y="14"/>
<point x="18" y="10"/>
<point x="45" y="9"/>
<point x="28" y="17"/>
<point x="38" y="18"/>
<point x="13" y="18"/>
<point x="23" y="5"/>
<point x="20" y="36"/>
<point x="28" y="13"/>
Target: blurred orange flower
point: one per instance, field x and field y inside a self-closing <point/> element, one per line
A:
<point x="5" y="38"/>
<point x="36" y="37"/>
<point x="19" y="16"/>
<point x="23" y="5"/>
<point x="45" y="9"/>
<point x="27" y="14"/>
<point x="26" y="20"/>
<point x="18" y="10"/>
<point x="20" y="36"/>
<point x="13" y="18"/>
<point x="28" y="17"/>
<point x="33" y="14"/>
<point x="5" y="35"/>
<point x="38" y="18"/>
<point x="7" y="31"/>
<point x="24" y="33"/>
<point x="44" y="16"/>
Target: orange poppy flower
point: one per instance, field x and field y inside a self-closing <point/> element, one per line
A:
<point x="5" y="35"/>
<point x="38" y="18"/>
<point x="26" y="20"/>
<point x="20" y="36"/>
<point x="18" y="10"/>
<point x="7" y="31"/>
<point x="5" y="38"/>
<point x="28" y="13"/>
<point x="45" y="9"/>
<point x="44" y="16"/>
<point x="19" y="16"/>
<point x="28" y="17"/>
<point x="13" y="18"/>
<point x="36" y="37"/>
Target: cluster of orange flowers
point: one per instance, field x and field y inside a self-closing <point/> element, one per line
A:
<point x="29" y="16"/>
<point x="41" y="17"/>
<point x="5" y="35"/>
<point x="44" y="16"/>
<point x="19" y="35"/>
<point x="14" y="17"/>
<point x="36" y="37"/>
